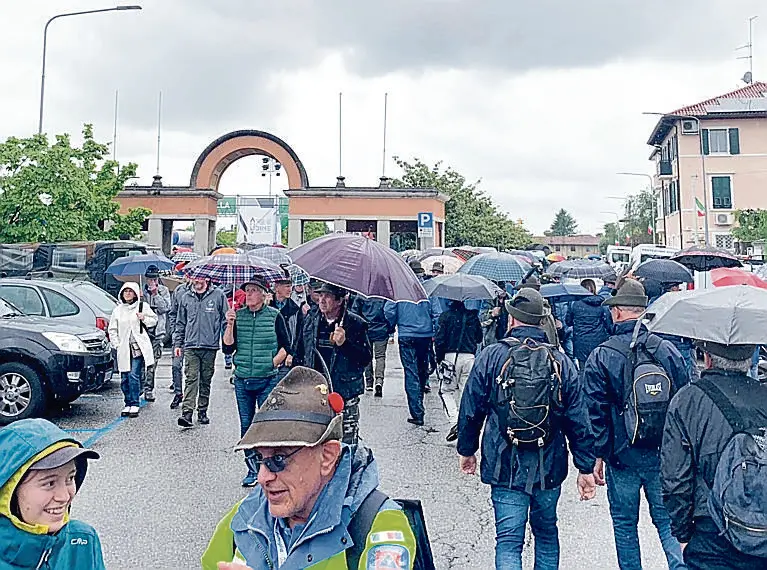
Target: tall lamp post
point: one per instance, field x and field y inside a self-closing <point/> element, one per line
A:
<point x="45" y="46"/>
<point x="654" y="202"/>
<point x="702" y="165"/>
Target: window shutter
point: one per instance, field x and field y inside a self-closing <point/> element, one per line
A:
<point x="704" y="140"/>
<point x="734" y="141"/>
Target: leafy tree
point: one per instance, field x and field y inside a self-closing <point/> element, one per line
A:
<point x="563" y="225"/>
<point x="59" y="192"/>
<point x="638" y="215"/>
<point x="752" y="225"/>
<point x="471" y="216"/>
<point x="612" y="235"/>
<point x="227" y="237"/>
<point x="314" y="230"/>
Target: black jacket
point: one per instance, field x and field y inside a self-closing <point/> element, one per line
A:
<point x="591" y="324"/>
<point x="694" y="437"/>
<point x="294" y="320"/>
<point x="477" y="411"/>
<point x="349" y="360"/>
<point x="603" y="384"/>
<point x="458" y="331"/>
<point x="372" y="310"/>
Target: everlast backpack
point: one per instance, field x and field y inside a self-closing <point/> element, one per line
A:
<point x="527" y="391"/>
<point x="738" y="499"/>
<point x="647" y="391"/>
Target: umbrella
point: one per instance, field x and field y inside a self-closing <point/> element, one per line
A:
<point x="555" y="257"/>
<point x="725" y="276"/>
<point x="582" y="269"/>
<point x="410" y="254"/>
<point x="706" y="258"/>
<point x="433" y="251"/>
<point x="496" y="267"/>
<point x="224" y="251"/>
<point x="185" y="256"/>
<point x="563" y="292"/>
<point x="664" y="271"/>
<point x="276" y="255"/>
<point x="359" y="264"/>
<point x="461" y="287"/>
<point x="451" y="264"/>
<point x="233" y="268"/>
<point x="725" y="315"/>
<point x="298" y="275"/>
<point x="136" y="265"/>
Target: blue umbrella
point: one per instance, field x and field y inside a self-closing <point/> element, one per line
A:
<point x="496" y="267"/>
<point x="664" y="271"/>
<point x="136" y="265"/>
<point x="563" y="292"/>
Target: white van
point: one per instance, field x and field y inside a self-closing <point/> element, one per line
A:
<point x="617" y="254"/>
<point x="646" y="251"/>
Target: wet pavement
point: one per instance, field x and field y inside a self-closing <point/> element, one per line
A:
<point x="158" y="491"/>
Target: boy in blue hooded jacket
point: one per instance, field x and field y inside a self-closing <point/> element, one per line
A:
<point x="42" y="469"/>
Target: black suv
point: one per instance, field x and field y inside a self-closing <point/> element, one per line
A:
<point x="44" y="362"/>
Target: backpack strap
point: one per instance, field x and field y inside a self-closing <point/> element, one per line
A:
<point x="141" y="325"/>
<point x="723" y="403"/>
<point x="360" y="525"/>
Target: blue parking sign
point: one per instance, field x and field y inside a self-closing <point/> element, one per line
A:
<point x="426" y="224"/>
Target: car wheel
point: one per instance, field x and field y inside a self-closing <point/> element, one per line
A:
<point x="21" y="393"/>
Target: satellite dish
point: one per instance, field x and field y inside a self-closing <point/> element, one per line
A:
<point x="748" y="78"/>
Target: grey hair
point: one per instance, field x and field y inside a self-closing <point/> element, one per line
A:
<point x="632" y="310"/>
<point x="722" y="363"/>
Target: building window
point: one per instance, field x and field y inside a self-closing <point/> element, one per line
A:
<point x="721" y="141"/>
<point x="557" y="248"/>
<point x="717" y="140"/>
<point x="572" y="248"/>
<point x="721" y="192"/>
<point x="724" y="241"/>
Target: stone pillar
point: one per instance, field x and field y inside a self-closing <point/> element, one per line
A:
<point x="201" y="236"/>
<point x="295" y="233"/>
<point x="211" y="234"/>
<point x="383" y="232"/>
<point x="154" y="235"/>
<point x="167" y="236"/>
<point x="339" y="225"/>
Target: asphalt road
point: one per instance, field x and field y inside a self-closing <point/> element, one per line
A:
<point x="157" y="492"/>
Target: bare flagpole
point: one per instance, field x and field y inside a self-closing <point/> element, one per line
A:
<point x="114" y="132"/>
<point x="340" y="135"/>
<point x="383" y="162"/>
<point x="159" y="125"/>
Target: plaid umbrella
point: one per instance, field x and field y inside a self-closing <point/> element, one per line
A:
<point x="496" y="267"/>
<point x="450" y="264"/>
<point x="298" y="275"/>
<point x="664" y="271"/>
<point x="706" y="258"/>
<point x="233" y="268"/>
<point x="276" y="255"/>
<point x="185" y="256"/>
<point x="582" y="269"/>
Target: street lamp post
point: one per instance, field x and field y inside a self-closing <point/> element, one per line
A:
<point x="654" y="202"/>
<point x="702" y="165"/>
<point x="45" y="46"/>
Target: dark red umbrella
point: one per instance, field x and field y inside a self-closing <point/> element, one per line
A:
<point x="361" y="265"/>
<point x="706" y="258"/>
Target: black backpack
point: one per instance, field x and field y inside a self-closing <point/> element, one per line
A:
<point x="362" y="522"/>
<point x="738" y="499"/>
<point x="647" y="390"/>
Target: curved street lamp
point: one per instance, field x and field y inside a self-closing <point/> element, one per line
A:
<point x="45" y="46"/>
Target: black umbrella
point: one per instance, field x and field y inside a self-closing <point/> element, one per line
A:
<point x="706" y="258"/>
<point x="664" y="271"/>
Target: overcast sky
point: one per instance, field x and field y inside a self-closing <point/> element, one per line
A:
<point x="541" y="100"/>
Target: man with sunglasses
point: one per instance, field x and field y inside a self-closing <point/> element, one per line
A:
<point x="311" y="488"/>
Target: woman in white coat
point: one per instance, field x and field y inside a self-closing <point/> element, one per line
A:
<point x="127" y="333"/>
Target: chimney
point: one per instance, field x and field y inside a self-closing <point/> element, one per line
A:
<point x="156" y="184"/>
<point x="384" y="182"/>
<point x="340" y="182"/>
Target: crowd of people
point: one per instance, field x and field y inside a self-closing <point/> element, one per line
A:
<point x="529" y="381"/>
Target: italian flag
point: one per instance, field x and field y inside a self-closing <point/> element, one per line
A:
<point x="700" y="208"/>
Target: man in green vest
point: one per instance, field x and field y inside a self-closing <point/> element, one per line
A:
<point x="313" y="495"/>
<point x="259" y="339"/>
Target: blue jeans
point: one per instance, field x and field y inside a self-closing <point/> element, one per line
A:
<point x="130" y="382"/>
<point x="512" y="509"/>
<point x="623" y="486"/>
<point x="251" y="394"/>
<point x="414" y="354"/>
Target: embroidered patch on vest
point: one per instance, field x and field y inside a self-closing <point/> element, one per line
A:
<point x="387" y="536"/>
<point x="388" y="557"/>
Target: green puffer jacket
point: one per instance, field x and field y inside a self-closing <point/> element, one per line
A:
<point x="256" y="343"/>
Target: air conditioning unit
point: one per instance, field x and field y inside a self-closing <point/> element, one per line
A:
<point x="689" y="127"/>
<point x="724" y="219"/>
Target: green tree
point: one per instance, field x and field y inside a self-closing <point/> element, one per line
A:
<point x="314" y="230"/>
<point x="227" y="237"/>
<point x="752" y="225"/>
<point x="564" y="224"/>
<point x="471" y="216"/>
<point x="60" y="192"/>
<point x="638" y="215"/>
<point x="611" y="235"/>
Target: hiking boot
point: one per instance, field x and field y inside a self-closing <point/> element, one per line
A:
<point x="126" y="412"/>
<point x="149" y="396"/>
<point x="250" y="480"/>
<point x="171" y="388"/>
<point x="185" y="420"/>
<point x="452" y="435"/>
<point x="415" y="422"/>
<point x="202" y="417"/>
<point x="177" y="399"/>
<point x="368" y="387"/>
<point x="133" y="412"/>
<point x="378" y="391"/>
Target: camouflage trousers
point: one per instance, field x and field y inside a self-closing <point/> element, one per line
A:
<point x="352" y="420"/>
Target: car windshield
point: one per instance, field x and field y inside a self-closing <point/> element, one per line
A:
<point x="8" y="310"/>
<point x="99" y="298"/>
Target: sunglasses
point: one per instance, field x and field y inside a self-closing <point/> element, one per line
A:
<point x="275" y="463"/>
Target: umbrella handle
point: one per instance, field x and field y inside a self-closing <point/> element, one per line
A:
<point x="325" y="367"/>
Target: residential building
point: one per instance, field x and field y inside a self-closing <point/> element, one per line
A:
<point x="581" y="245"/>
<point x="710" y="160"/>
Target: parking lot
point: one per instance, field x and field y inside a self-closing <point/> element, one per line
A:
<point x="157" y="492"/>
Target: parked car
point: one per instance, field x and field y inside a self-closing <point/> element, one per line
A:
<point x="45" y="361"/>
<point x="76" y="302"/>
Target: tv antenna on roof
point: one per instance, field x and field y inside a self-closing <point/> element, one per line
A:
<point x="748" y="77"/>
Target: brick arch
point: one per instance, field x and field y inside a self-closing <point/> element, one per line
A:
<point x="226" y="149"/>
